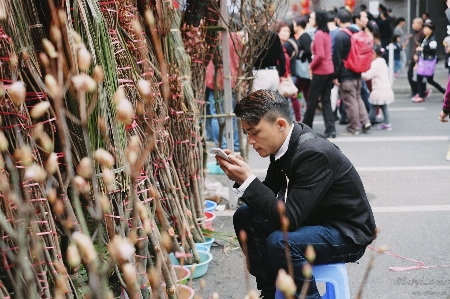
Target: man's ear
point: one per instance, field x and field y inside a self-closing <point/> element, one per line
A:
<point x="282" y="124"/>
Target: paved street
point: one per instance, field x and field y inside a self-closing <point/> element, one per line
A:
<point x="406" y="177"/>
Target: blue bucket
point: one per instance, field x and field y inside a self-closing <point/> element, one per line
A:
<point x="210" y="206"/>
<point x="208" y="242"/>
<point x="202" y="247"/>
<point x="200" y="268"/>
<point x="213" y="168"/>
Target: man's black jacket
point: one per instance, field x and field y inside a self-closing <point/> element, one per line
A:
<point x="341" y="49"/>
<point x="324" y="189"/>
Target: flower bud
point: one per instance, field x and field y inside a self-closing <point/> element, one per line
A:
<point x="104" y="158"/>
<point x="24" y="155"/>
<point x="35" y="172"/>
<point x="85" y="247"/>
<point x="104" y="203"/>
<point x="55" y="33"/>
<point x="134" y="143"/>
<point x="2" y="92"/>
<point x="84" y="59"/>
<point x="310" y="253"/>
<point x="17" y="92"/>
<point x="52" y="85"/>
<point x="73" y="256"/>
<point x="46" y="142"/>
<point x="81" y="185"/>
<point x="121" y="249"/>
<point x="62" y="16"/>
<point x="286" y="284"/>
<point x="13" y="59"/>
<point x="124" y="111"/>
<point x="307" y="270"/>
<point x="119" y="94"/>
<point x="2" y="12"/>
<point x="85" y="168"/>
<point x="145" y="88"/>
<point x="39" y="109"/>
<point x="83" y="82"/>
<point x="52" y="163"/>
<point x="3" y="142"/>
<point x="98" y="74"/>
<point x="108" y="176"/>
<point x="51" y="196"/>
<point x="49" y="48"/>
<point x="44" y="59"/>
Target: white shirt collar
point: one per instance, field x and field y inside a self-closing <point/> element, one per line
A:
<point x="283" y="149"/>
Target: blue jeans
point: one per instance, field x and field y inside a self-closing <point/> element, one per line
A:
<point x="215" y="121"/>
<point x="266" y="249"/>
<point x="397" y="66"/>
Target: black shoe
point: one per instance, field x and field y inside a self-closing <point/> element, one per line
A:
<point x="366" y="127"/>
<point x="330" y="135"/>
<point x="343" y="122"/>
<point x="376" y="122"/>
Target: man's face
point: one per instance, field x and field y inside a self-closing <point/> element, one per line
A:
<point x="416" y="26"/>
<point x="401" y="24"/>
<point x="363" y="20"/>
<point x="265" y="137"/>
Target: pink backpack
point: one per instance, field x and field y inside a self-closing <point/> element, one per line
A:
<point x="360" y="55"/>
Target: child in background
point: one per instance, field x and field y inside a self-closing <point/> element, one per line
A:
<point x="396" y="40"/>
<point x="382" y="93"/>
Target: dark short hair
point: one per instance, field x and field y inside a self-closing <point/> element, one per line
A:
<point x="394" y="38"/>
<point x="357" y="14"/>
<point x="331" y="15"/>
<point x="363" y="6"/>
<point x="378" y="50"/>
<point x="373" y="27"/>
<point x="321" y="20"/>
<point x="427" y="14"/>
<point x="401" y="19"/>
<point x="300" y="20"/>
<point x="261" y="104"/>
<point x="344" y="15"/>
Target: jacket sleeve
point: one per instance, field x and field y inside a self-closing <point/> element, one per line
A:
<point x="447" y="14"/>
<point x="370" y="73"/>
<point x="430" y="47"/>
<point x="338" y="55"/>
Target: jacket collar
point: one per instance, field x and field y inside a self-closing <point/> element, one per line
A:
<point x="285" y="161"/>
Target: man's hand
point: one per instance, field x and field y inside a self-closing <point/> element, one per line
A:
<point x="336" y="82"/>
<point x="238" y="170"/>
<point x="443" y="117"/>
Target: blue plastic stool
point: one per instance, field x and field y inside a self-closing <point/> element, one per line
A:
<point x="335" y="277"/>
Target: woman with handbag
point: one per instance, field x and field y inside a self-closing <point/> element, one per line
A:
<point x="427" y="63"/>
<point x="322" y="75"/>
<point x="300" y="45"/>
<point x="287" y="87"/>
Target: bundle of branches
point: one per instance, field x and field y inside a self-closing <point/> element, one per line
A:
<point x="134" y="172"/>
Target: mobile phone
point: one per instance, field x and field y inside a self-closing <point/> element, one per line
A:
<point x="219" y="152"/>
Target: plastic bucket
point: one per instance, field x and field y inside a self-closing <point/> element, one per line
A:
<point x="202" y="247"/>
<point x="213" y="168"/>
<point x="200" y="268"/>
<point x="183" y="274"/>
<point x="209" y="219"/>
<point x="184" y="292"/>
<point x="210" y="206"/>
<point x="208" y="242"/>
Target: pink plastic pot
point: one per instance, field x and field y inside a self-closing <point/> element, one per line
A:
<point x="209" y="219"/>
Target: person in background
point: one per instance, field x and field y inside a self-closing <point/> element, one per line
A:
<point x="333" y="29"/>
<point x="284" y="33"/>
<point x="385" y="29"/>
<point x="399" y="30"/>
<point x="415" y="41"/>
<point x="426" y="17"/>
<point x="348" y="81"/>
<point x="369" y="15"/>
<point x="304" y="54"/>
<point x="270" y="64"/>
<point x="381" y="94"/>
<point x="322" y="75"/>
<point x="427" y="50"/>
<point x="398" y="48"/>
